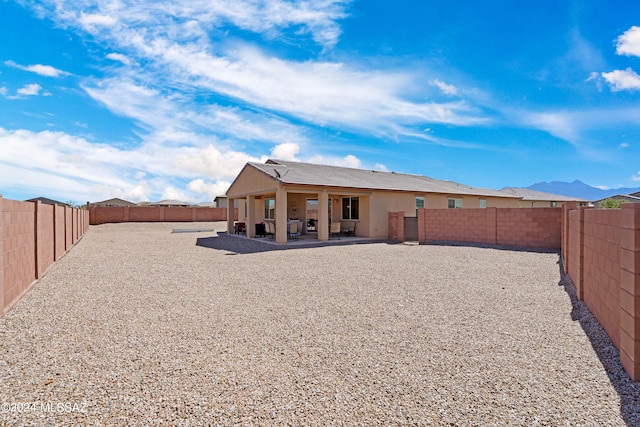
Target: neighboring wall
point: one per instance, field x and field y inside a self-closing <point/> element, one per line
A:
<point x="601" y="254"/>
<point x="32" y="237"/>
<point x="522" y="227"/>
<point x="110" y="214"/>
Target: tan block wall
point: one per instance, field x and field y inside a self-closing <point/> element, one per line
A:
<point x="601" y="268"/>
<point x="601" y="254"/>
<point x="524" y="227"/>
<point x="32" y="237"/>
<point x="115" y="214"/>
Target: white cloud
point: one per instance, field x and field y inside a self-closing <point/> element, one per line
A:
<point x="445" y="88"/>
<point x="82" y="170"/>
<point x="624" y="145"/>
<point x="172" y="193"/>
<point x="622" y="80"/>
<point x="348" y="161"/>
<point x="120" y="58"/>
<point x="629" y="42"/>
<point x="381" y="167"/>
<point x="30" y="90"/>
<point x="89" y="21"/>
<point x="210" y="189"/>
<point x="43" y="70"/>
<point x="211" y="162"/>
<point x="286" y="151"/>
<point x="636" y="177"/>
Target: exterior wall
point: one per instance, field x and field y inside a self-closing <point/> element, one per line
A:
<point x="251" y="181"/>
<point x="601" y="268"/>
<point x="32" y="237"/>
<point x="601" y="255"/>
<point x="114" y="214"/>
<point x="535" y="228"/>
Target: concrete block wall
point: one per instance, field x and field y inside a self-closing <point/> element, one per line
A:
<point x="32" y="237"/>
<point x="115" y="214"/>
<point x="601" y="254"/>
<point x="396" y="227"/>
<point x="523" y="227"/>
<point x="600" y="267"/>
<point x="529" y="227"/>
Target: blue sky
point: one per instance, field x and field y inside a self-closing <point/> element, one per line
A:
<point x="147" y="100"/>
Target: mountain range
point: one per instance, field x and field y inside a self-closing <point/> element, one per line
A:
<point x="579" y="189"/>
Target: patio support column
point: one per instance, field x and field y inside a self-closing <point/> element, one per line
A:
<point x="230" y="216"/>
<point x="281" y="216"/>
<point x="251" y="216"/>
<point x="323" y="216"/>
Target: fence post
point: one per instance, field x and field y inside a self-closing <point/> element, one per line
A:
<point x="422" y="227"/>
<point x="491" y="235"/>
<point x="37" y="238"/>
<point x="630" y="289"/>
<point x="393" y="226"/>
<point x="400" y="227"/>
<point x="564" y="243"/>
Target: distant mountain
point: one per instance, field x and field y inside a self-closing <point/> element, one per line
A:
<point x="579" y="189"/>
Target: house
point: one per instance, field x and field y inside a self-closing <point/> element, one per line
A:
<point x="170" y="203"/>
<point x="317" y="195"/>
<point x="114" y="202"/>
<point x="47" y="201"/>
<point x="221" y="202"/>
<point x="623" y="198"/>
<point x="540" y="199"/>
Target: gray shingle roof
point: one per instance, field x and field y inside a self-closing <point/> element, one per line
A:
<point x="531" y="195"/>
<point x="288" y="172"/>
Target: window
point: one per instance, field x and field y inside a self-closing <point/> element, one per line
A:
<point x="350" y="208"/>
<point x="269" y="208"/>
<point x="419" y="204"/>
<point x="554" y="204"/>
<point x="483" y="203"/>
<point x="454" y="203"/>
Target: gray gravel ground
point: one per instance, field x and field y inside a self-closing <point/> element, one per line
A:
<point x="137" y="325"/>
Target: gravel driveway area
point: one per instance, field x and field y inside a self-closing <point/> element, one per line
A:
<point x="137" y="325"/>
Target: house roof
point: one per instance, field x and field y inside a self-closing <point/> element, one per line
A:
<point x="168" y="202"/>
<point x="47" y="201"/>
<point x="534" y="195"/>
<point x="115" y="202"/>
<point x="633" y="197"/>
<point x="298" y="173"/>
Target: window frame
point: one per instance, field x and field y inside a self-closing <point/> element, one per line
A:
<point x="268" y="209"/>
<point x="455" y="201"/>
<point x="349" y="208"/>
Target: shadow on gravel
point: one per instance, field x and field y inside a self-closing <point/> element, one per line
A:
<point x="628" y="390"/>
<point x="236" y="245"/>
<point x="498" y="247"/>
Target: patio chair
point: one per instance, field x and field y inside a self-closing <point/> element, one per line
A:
<point x="270" y="229"/>
<point x="293" y="230"/>
<point x="348" y="228"/>
<point x="334" y="230"/>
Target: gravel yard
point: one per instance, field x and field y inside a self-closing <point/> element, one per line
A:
<point x="137" y="325"/>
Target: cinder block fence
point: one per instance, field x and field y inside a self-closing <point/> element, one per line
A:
<point x="114" y="214"/>
<point x="600" y="251"/>
<point x="32" y="237"/>
<point x="601" y="254"/>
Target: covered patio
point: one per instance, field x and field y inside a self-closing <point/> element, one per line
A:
<point x="287" y="216"/>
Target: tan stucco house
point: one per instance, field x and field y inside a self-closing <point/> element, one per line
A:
<point x="317" y="195"/>
<point x="540" y="199"/>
